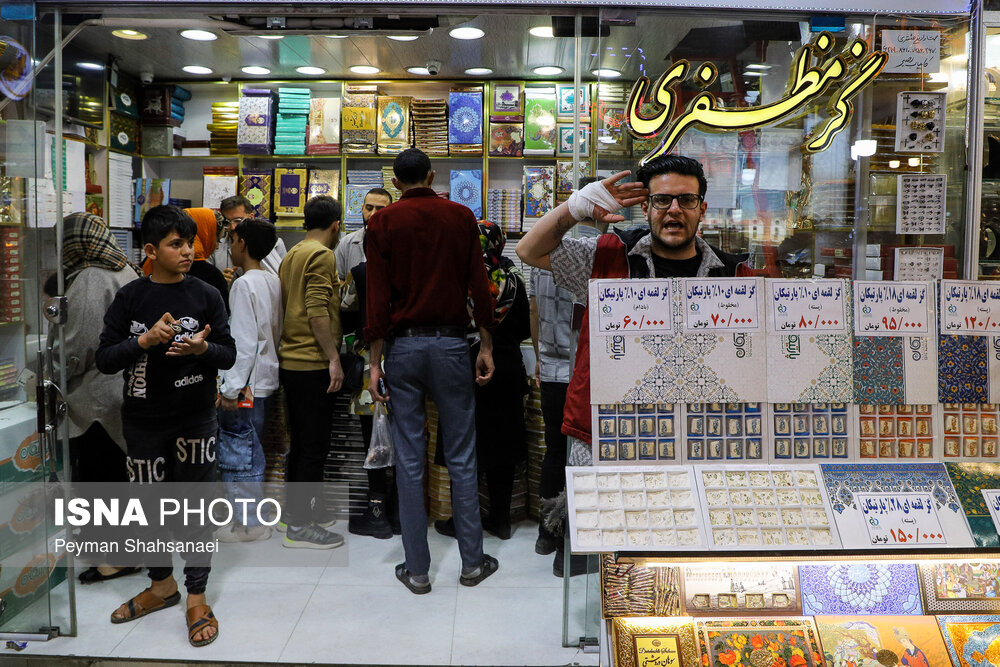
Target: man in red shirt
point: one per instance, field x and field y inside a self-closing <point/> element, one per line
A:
<point x="424" y="260"/>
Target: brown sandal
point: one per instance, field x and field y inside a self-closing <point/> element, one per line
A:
<point x="144" y="603"/>
<point x="200" y="617"/>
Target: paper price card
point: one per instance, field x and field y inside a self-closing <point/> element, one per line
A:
<point x="893" y="308"/>
<point x="818" y="306"/>
<point x="901" y="519"/>
<point x="992" y="497"/>
<point x="626" y="306"/>
<point x="970" y="308"/>
<point x="720" y="304"/>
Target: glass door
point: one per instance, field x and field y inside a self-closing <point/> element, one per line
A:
<point x="36" y="600"/>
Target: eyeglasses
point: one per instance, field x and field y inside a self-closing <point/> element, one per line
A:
<point x="687" y="200"/>
<point x="235" y="221"/>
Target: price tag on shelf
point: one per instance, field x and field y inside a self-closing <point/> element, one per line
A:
<point x="970" y="308"/>
<point x="818" y="306"/>
<point x="893" y="308"/>
<point x="901" y="519"/>
<point x="722" y="304"/>
<point x="626" y="306"/>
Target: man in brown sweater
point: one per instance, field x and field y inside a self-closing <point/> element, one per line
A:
<point x="309" y="367"/>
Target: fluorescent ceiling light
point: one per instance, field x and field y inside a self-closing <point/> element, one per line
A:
<point x="199" y="35"/>
<point x="336" y="36"/>
<point x="605" y="73"/>
<point x="478" y="71"/>
<point x="757" y="74"/>
<point x="364" y="69"/>
<point x="403" y="38"/>
<point x="94" y="66"/>
<point x="310" y="69"/>
<point x="893" y="164"/>
<point x="197" y="69"/>
<point x="254" y="69"/>
<point x="756" y="66"/>
<point x="466" y="33"/>
<point x="913" y="162"/>
<point x="422" y="71"/>
<point x="541" y="31"/>
<point x="129" y="34"/>
<point x="548" y="70"/>
<point x="271" y="36"/>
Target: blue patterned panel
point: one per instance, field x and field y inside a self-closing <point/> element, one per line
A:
<point x="465" y="117"/>
<point x="878" y="370"/>
<point x="843" y="480"/>
<point x="467" y="188"/>
<point x="860" y="588"/>
<point x="963" y="369"/>
<point x="970" y="639"/>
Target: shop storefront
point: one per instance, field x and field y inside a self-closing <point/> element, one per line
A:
<point x="842" y="145"/>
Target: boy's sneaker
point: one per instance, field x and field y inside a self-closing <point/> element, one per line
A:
<point x="324" y="518"/>
<point x="311" y="536"/>
<point x="238" y="533"/>
<point x="281" y="526"/>
<point x="373" y="522"/>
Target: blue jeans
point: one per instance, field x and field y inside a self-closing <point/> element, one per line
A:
<point x="241" y="454"/>
<point x="437" y="366"/>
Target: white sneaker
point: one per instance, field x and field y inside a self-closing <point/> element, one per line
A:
<point x="238" y="533"/>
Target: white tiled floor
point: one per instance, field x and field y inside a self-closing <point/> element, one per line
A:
<point x="349" y="608"/>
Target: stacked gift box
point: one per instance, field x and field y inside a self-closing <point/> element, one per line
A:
<point x="162" y="115"/>
<point x="293" y="121"/>
<point x="255" y="133"/>
<point x="256" y="186"/>
<point x="535" y="435"/>
<point x="465" y="121"/>
<point x="359" y="182"/>
<point x="290" y="186"/>
<point x="324" y="182"/>
<point x="222" y="129"/>
<point x="540" y="121"/>
<point x="430" y="125"/>
<point x="566" y="180"/>
<point x="387" y="176"/>
<point x="539" y="194"/>
<point x="324" y="126"/>
<point x="393" y="133"/>
<point x="123" y="116"/>
<point x="218" y="183"/>
<point x="612" y="138"/>
<point x="503" y="207"/>
<point x="149" y="192"/>
<point x="357" y="119"/>
<point x="344" y="476"/>
<point x="11" y="309"/>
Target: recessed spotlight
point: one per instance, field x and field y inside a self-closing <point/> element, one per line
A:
<point x="197" y="69"/>
<point x="310" y="69"/>
<point x="254" y="69"/>
<point x="365" y="69"/>
<point x="90" y="66"/>
<point x="336" y="36"/>
<point x="605" y="73"/>
<point x="541" y="31"/>
<point x="130" y="34"/>
<point x="478" y="71"/>
<point x="466" y="33"/>
<point x="421" y="71"/>
<point x="271" y="36"/>
<point x="548" y="70"/>
<point x="402" y="38"/>
<point x="199" y="35"/>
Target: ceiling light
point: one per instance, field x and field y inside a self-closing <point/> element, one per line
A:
<point x="199" y="35"/>
<point x="548" y="70"/>
<point x="605" y="73"/>
<point x="197" y="69"/>
<point x="756" y="66"/>
<point x="336" y="36"/>
<point x="254" y="69"/>
<point x="913" y="162"/>
<point x="421" y="71"/>
<point x="757" y="74"/>
<point x="478" y="71"/>
<point x="129" y="34"/>
<point x="402" y="38"/>
<point x="90" y="66"/>
<point x="541" y="31"/>
<point x="893" y="164"/>
<point x="365" y="69"/>
<point x="271" y="36"/>
<point x="310" y="69"/>
<point x="466" y="33"/>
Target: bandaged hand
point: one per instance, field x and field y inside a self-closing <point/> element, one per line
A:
<point x="601" y="200"/>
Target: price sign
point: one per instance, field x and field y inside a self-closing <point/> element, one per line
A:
<point x="803" y="306"/>
<point x="901" y="519"/>
<point x="970" y="308"/>
<point x="893" y="308"/>
<point x="626" y="306"/>
<point x="721" y="304"/>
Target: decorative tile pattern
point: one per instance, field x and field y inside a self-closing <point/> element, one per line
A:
<point x="963" y="369"/>
<point x="816" y="431"/>
<point x="466" y="188"/>
<point x="740" y="590"/>
<point x="724" y="432"/>
<point x="972" y="640"/>
<point x="904" y="432"/>
<point x="971" y="431"/>
<point x="878" y="369"/>
<point x="971" y="587"/>
<point x="809" y="368"/>
<point x="969" y="480"/>
<point x="644" y="433"/>
<point x="764" y="642"/>
<point x="911" y="641"/>
<point x="860" y="588"/>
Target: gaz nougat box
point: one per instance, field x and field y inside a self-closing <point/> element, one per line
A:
<point x="20" y="449"/>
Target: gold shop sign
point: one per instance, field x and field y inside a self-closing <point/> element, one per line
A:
<point x="805" y="84"/>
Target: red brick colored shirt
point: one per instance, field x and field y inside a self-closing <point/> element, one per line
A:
<point x="424" y="260"/>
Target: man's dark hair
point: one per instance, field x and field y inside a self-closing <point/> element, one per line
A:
<point x="585" y="180"/>
<point x="159" y="221"/>
<point x="321" y="211"/>
<point x="381" y="192"/>
<point x="673" y="164"/>
<point x="411" y="166"/>
<point x="230" y="203"/>
<point x="260" y="236"/>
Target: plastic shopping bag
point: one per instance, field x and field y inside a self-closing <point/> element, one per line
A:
<point x="380" y="452"/>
